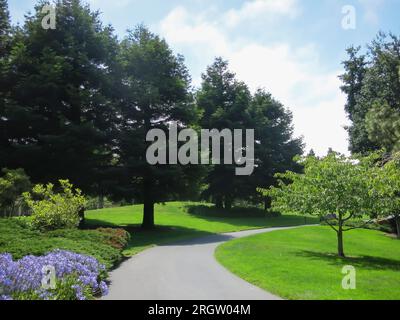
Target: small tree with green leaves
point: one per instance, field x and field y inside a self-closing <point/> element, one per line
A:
<point x="52" y="210"/>
<point x="12" y="184"/>
<point x="335" y="188"/>
<point x="387" y="185"/>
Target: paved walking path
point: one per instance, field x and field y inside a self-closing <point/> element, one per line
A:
<point x="186" y="270"/>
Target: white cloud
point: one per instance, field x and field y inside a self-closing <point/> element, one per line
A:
<point x="182" y="28"/>
<point x="293" y="75"/>
<point x="267" y="9"/>
<point x="314" y="97"/>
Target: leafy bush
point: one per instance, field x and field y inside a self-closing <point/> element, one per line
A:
<point x="12" y="184"/>
<point x="78" y="277"/>
<point x="55" y="210"/>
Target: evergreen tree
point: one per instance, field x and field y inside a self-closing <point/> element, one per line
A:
<point x="5" y="41"/>
<point x="5" y="28"/>
<point x="59" y="120"/>
<point x="276" y="147"/>
<point x="372" y="85"/>
<point x="228" y="104"/>
<point x="311" y="153"/>
<point x="155" y="92"/>
<point x="224" y="102"/>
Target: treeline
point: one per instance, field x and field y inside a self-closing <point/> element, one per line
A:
<point x="372" y="84"/>
<point x="76" y="103"/>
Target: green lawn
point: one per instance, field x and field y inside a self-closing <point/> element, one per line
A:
<point x="302" y="263"/>
<point x="175" y="223"/>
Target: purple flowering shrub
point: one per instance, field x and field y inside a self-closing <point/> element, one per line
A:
<point x="78" y="277"/>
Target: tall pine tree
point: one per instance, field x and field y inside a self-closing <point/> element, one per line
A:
<point x="155" y="92"/>
<point x="276" y="145"/>
<point x="5" y="42"/>
<point x="224" y="102"/>
<point x="227" y="103"/>
<point x="5" y="28"/>
<point x="61" y="118"/>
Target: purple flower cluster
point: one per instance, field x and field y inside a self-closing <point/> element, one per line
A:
<point x="26" y="275"/>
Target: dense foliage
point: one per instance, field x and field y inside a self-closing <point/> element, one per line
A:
<point x="372" y="84"/>
<point x="56" y="121"/>
<point x="12" y="184"/>
<point x="386" y="184"/>
<point x="76" y="103"/>
<point x="226" y="103"/>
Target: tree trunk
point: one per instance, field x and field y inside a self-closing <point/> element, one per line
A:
<point x="100" y="202"/>
<point x="267" y="203"/>
<point x="228" y="203"/>
<point x="340" y="243"/>
<point x="148" y="214"/>
<point x="218" y="202"/>
<point x="148" y="210"/>
<point x="398" y="226"/>
<point x="81" y="217"/>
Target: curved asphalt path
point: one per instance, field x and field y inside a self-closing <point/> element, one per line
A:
<point x="183" y="271"/>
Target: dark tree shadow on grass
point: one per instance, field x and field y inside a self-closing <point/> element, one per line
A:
<point x="251" y="216"/>
<point x="364" y="262"/>
<point x="214" y="212"/>
<point x="160" y="235"/>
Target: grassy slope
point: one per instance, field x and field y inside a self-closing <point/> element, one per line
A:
<point x="176" y="224"/>
<point x="302" y="263"/>
<point x="19" y="240"/>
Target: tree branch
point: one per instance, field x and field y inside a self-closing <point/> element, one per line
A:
<point x="331" y="225"/>
<point x="360" y="227"/>
<point x="350" y="217"/>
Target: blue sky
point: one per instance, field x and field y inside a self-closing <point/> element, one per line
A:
<point x="292" y="48"/>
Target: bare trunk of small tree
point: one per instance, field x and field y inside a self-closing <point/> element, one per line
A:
<point x="340" y="237"/>
<point x="340" y="244"/>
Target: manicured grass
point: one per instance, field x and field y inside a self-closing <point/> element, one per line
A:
<point x="302" y="263"/>
<point x="18" y="239"/>
<point x="176" y="223"/>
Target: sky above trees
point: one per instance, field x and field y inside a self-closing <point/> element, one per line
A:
<point x="292" y="48"/>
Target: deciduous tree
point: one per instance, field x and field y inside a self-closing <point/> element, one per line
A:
<point x="335" y="188"/>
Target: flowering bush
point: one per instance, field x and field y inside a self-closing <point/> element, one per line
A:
<point x="77" y="277"/>
<point x="55" y="210"/>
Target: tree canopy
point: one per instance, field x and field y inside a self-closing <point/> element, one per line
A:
<point x="372" y="84"/>
<point x="77" y="103"/>
<point x="227" y="103"/>
<point x="335" y="188"/>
